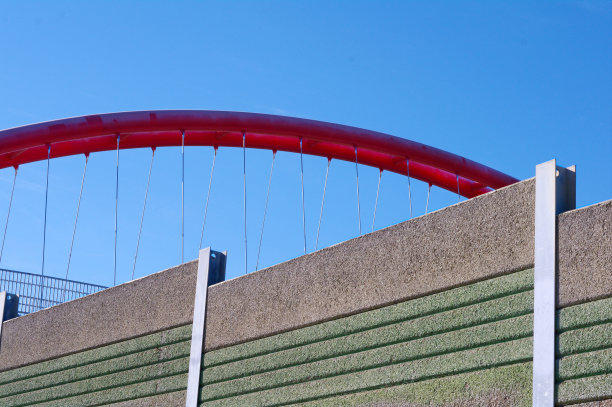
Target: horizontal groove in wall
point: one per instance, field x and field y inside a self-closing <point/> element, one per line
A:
<point x="584" y="315"/>
<point x="438" y="334"/>
<point x="472" y="294"/>
<point x="585" y="389"/>
<point x="583" y="339"/>
<point x="158" y="386"/>
<point x="470" y="388"/>
<point x="586" y="339"/>
<point x="97" y="369"/>
<point x="585" y="364"/>
<point x="585" y="347"/>
<point x="342" y="366"/>
<point x="174" y="398"/>
<point x="460" y="362"/>
<point x="94" y="355"/>
<point x="112" y="381"/>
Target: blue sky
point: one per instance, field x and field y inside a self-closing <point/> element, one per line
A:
<point x="507" y="84"/>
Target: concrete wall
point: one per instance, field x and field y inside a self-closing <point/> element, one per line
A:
<point x="437" y="309"/>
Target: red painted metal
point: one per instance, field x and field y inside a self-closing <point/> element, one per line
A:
<point x="88" y="134"/>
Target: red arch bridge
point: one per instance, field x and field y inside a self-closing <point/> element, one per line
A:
<point x="185" y="128"/>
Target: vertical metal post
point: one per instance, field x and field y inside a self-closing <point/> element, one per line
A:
<point x="2" y="302"/>
<point x="555" y="193"/>
<point x="211" y="270"/>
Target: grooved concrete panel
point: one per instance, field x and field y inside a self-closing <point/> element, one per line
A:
<point x="137" y="308"/>
<point x="585" y="254"/>
<point x="477" y="239"/>
<point x="470" y="344"/>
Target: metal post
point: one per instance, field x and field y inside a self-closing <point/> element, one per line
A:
<point x="555" y="193"/>
<point x="2" y="302"/>
<point x="211" y="270"/>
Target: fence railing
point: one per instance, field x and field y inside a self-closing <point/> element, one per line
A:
<point x="37" y="292"/>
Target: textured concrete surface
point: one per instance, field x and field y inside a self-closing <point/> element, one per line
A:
<point x="417" y="344"/>
<point x="484" y="237"/>
<point x="476" y="239"/>
<point x="125" y="393"/>
<point x="154" y="303"/>
<point x="102" y="367"/>
<point x="506" y="386"/>
<point x="175" y="399"/>
<point x="358" y="352"/>
<point x="92" y="356"/>
<point x="390" y="375"/>
<point x="586" y="388"/>
<point x="427" y="308"/>
<point x="600" y="403"/>
<point x="585" y="254"/>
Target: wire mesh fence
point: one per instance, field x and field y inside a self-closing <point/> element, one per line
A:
<point x="37" y="292"/>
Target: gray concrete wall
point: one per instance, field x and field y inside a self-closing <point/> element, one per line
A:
<point x="477" y="239"/>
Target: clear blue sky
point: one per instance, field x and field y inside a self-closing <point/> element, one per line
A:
<point x="507" y="84"/>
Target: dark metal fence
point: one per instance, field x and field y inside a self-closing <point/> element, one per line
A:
<point x="37" y="292"/>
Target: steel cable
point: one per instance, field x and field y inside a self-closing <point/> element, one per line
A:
<point x="303" y="203"/>
<point x="144" y="207"/>
<point x="42" y="272"/>
<point x="244" y="200"/>
<point x="183" y="196"/>
<point x="376" y="202"/>
<point x="116" y="211"/>
<point x="263" y="222"/>
<point x="322" y="202"/>
<point x="212" y="170"/>
<point x="8" y="213"/>
<point x="409" y="188"/>
<point x="75" y="227"/>
<point x="458" y="193"/>
<point x="358" y="205"/>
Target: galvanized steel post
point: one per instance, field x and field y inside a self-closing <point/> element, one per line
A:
<point x="555" y="193"/>
<point x="211" y="270"/>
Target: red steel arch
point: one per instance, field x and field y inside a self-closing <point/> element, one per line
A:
<point x="88" y="134"/>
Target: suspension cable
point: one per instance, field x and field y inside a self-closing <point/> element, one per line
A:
<point x="409" y="189"/>
<point x="244" y="196"/>
<point x="212" y="170"/>
<point x="183" y="196"/>
<point x="376" y="202"/>
<point x="322" y="202"/>
<point x="42" y="272"/>
<point x="8" y="212"/>
<point x="427" y="202"/>
<point x="263" y="222"/>
<point x="303" y="204"/>
<point x="144" y="206"/>
<point x="458" y="193"/>
<point x="75" y="225"/>
<point x="116" y="212"/>
<point x="358" y="206"/>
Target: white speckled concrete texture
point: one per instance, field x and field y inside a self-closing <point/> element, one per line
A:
<point x="477" y="239"/>
<point x="585" y="254"/>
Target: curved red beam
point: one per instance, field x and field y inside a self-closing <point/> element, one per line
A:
<point x="94" y="133"/>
